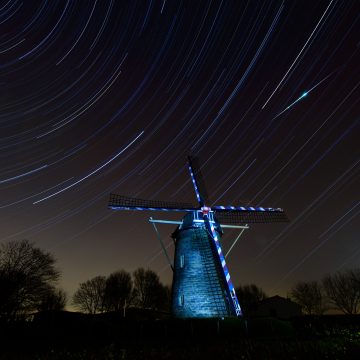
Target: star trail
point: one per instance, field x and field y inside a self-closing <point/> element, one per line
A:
<point x="111" y="96"/>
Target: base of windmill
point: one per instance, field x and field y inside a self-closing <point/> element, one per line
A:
<point x="199" y="286"/>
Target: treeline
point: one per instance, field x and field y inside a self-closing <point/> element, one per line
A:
<point x="119" y="290"/>
<point x="29" y="283"/>
<point x="339" y="291"/>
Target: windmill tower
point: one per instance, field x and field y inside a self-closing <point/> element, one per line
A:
<point x="202" y="286"/>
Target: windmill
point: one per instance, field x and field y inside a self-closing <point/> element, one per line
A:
<point x="202" y="286"/>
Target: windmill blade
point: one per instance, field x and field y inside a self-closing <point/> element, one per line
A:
<point x="250" y="216"/>
<point x="120" y="202"/>
<point x="198" y="180"/>
<point x="230" y="287"/>
<point x="244" y="208"/>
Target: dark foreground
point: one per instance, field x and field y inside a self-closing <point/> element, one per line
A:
<point x="109" y="336"/>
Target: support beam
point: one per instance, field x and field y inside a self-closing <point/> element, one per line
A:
<point x="238" y="237"/>
<point x="151" y="220"/>
<point x="161" y="243"/>
<point x="180" y="222"/>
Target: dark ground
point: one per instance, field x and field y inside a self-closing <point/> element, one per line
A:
<point x="109" y="336"/>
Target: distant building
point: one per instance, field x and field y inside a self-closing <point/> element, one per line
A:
<point x="277" y="306"/>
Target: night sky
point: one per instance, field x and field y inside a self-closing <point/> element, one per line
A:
<point x="111" y="96"/>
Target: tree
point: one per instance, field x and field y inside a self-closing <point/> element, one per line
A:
<point x="343" y="290"/>
<point x="148" y="292"/>
<point x="118" y="290"/>
<point x="309" y="296"/>
<point x="249" y="296"/>
<point x="52" y="299"/>
<point x="166" y="303"/>
<point x="25" y="273"/>
<point x="90" y="295"/>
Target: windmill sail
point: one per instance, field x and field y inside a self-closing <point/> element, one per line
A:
<point x="120" y="202"/>
<point x="249" y="216"/>
<point x="198" y="179"/>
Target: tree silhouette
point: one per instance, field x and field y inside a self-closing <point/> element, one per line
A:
<point x="166" y="303"/>
<point x="52" y="299"/>
<point x="25" y="273"/>
<point x="249" y="297"/>
<point x="89" y="297"/>
<point x="148" y="292"/>
<point x="309" y="296"/>
<point x="343" y="290"/>
<point x="118" y="290"/>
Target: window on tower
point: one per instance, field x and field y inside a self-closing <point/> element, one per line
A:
<point x="182" y="261"/>
<point x="181" y="300"/>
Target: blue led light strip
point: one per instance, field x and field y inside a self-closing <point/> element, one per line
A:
<point x="149" y="208"/>
<point x="195" y="185"/>
<point x="245" y="208"/>
<point x="211" y="230"/>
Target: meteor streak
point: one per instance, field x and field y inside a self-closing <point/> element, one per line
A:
<point x="292" y="104"/>
<point x="304" y="94"/>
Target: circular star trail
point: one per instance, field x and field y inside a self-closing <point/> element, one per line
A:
<point x="111" y="96"/>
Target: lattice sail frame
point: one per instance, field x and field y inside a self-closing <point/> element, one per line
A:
<point x="225" y="214"/>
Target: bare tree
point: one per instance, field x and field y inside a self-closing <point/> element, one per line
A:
<point x="309" y="296"/>
<point x="90" y="295"/>
<point x="249" y="296"/>
<point x="118" y="290"/>
<point x="343" y="290"/>
<point x="52" y="299"/>
<point x="148" y="292"/>
<point x="25" y="272"/>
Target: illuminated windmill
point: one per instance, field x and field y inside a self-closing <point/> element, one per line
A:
<point x="201" y="281"/>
